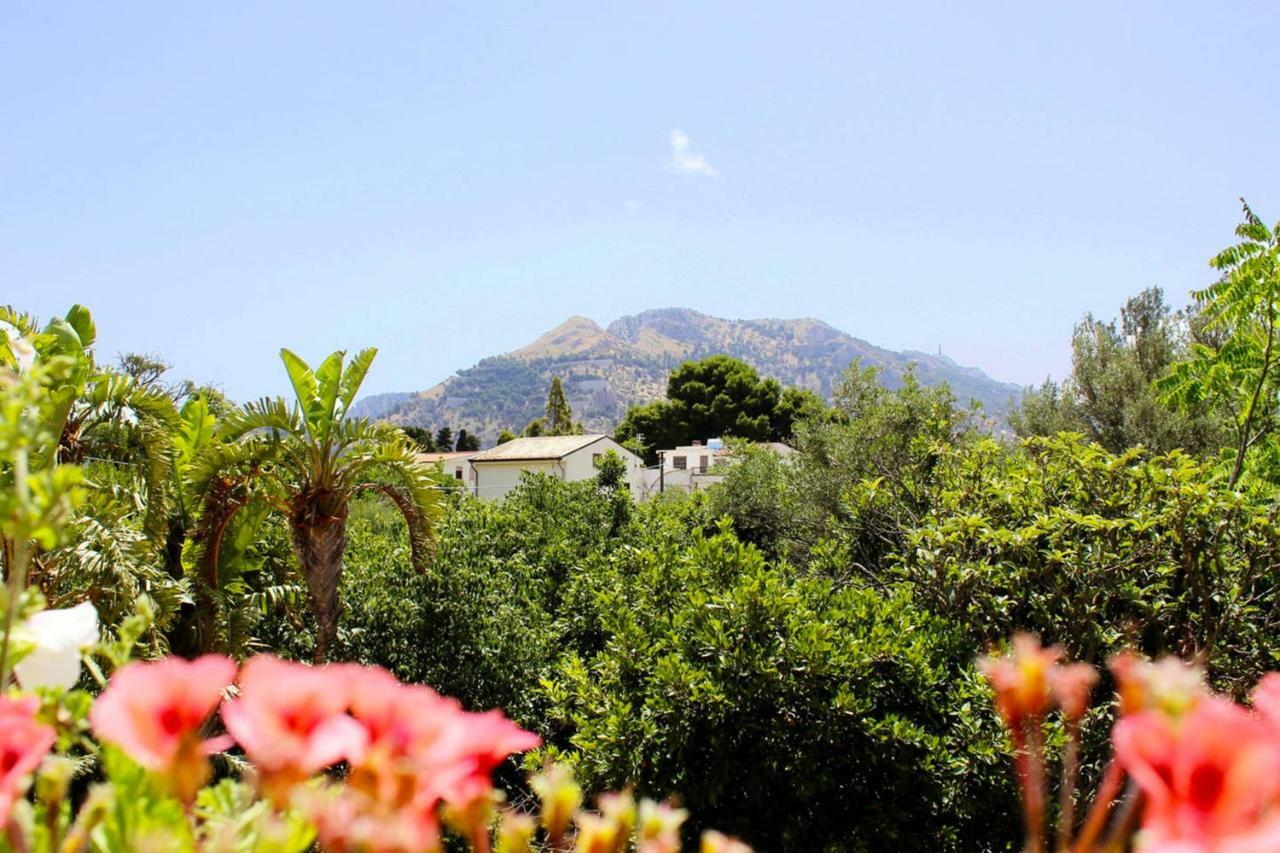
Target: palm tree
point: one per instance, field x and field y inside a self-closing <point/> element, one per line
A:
<point x="308" y="461"/>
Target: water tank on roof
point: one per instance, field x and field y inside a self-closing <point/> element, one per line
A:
<point x="715" y="444"/>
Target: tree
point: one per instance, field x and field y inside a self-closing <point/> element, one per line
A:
<point x="308" y="460"/>
<point x="1109" y="397"/>
<point x="466" y="441"/>
<point x="559" y="417"/>
<point x="420" y="437"/>
<point x="718" y="396"/>
<point x="505" y="436"/>
<point x="444" y="439"/>
<point x="218" y="402"/>
<point x="1236" y="370"/>
<point x="611" y="472"/>
<point x="145" y="369"/>
<point x="535" y="428"/>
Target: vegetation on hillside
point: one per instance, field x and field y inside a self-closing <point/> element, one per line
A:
<point x="605" y="371"/>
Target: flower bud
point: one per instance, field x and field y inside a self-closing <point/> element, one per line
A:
<point x="1072" y="685"/>
<point x="715" y="842"/>
<point x="560" y="796"/>
<point x="658" y="829"/>
<point x="515" y="833"/>
<point x="1021" y="679"/>
<point x="1169" y="685"/>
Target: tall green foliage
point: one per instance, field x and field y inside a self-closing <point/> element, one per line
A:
<point x="1109" y="395"/>
<point x="559" y="416"/>
<point x="1237" y="371"/>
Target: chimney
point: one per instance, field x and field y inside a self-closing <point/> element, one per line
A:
<point x="696" y="443"/>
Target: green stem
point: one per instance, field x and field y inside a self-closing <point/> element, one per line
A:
<point x="21" y="553"/>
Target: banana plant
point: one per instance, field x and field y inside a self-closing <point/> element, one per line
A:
<point x="308" y="460"/>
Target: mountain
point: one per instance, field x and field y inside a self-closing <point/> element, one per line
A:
<point x="605" y="370"/>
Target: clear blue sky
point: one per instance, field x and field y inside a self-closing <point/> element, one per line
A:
<point x="219" y="179"/>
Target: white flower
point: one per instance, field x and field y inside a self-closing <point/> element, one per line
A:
<point x="59" y="636"/>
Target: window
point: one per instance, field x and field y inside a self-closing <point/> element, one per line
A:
<point x="679" y="462"/>
<point x="595" y="459"/>
<point x="457" y="473"/>
<point x="703" y="462"/>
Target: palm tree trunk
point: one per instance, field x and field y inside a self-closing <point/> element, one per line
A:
<point x="319" y="528"/>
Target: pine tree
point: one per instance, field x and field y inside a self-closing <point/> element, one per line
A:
<point x="467" y="441"/>
<point x="559" y="419"/>
<point x="444" y="439"/>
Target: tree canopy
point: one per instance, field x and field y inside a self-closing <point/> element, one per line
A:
<point x="716" y="397"/>
<point x="1109" y="397"/>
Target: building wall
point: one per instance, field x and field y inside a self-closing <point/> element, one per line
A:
<point x="493" y="480"/>
<point x="580" y="465"/>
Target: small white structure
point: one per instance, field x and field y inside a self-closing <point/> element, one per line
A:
<point x="695" y="466"/>
<point x="567" y="457"/>
<point x="453" y="464"/>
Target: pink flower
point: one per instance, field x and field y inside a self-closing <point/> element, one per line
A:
<point x="417" y="737"/>
<point x="1266" y="699"/>
<point x="469" y="749"/>
<point x="24" y="742"/>
<point x="154" y="712"/>
<point x="291" y="720"/>
<point x="344" y="821"/>
<point x="1208" y="775"/>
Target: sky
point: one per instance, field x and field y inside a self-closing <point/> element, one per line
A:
<point x="446" y="181"/>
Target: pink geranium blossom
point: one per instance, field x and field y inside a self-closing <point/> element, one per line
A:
<point x="154" y="712"/>
<point x="24" y="742"/>
<point x="1209" y="776"/>
<point x="1266" y="699"/>
<point x="291" y="720"/>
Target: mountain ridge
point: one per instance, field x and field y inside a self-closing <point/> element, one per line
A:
<point x="607" y="368"/>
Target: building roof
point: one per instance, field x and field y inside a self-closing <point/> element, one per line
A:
<point x="540" y="447"/>
<point x="430" y="458"/>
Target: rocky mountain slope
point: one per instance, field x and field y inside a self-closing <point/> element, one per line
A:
<point x="607" y="369"/>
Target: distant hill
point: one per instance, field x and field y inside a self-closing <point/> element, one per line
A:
<point x="605" y="370"/>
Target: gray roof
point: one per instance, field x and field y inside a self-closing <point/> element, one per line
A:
<point x="539" y="447"/>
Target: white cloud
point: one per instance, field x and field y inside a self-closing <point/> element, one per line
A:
<point x="684" y="161"/>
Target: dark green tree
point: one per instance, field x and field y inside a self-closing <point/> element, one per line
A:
<point x="467" y="441"/>
<point x="444" y="439"/>
<point x="505" y="436"/>
<point x="535" y="428"/>
<point x="559" y="417"/>
<point x="420" y="437"/>
<point x="716" y="397"/>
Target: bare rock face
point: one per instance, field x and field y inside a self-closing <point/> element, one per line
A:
<point x="605" y="370"/>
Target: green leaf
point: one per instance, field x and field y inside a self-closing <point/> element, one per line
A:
<point x="353" y="378"/>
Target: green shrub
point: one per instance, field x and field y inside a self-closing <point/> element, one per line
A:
<point x="784" y="709"/>
<point x="1098" y="551"/>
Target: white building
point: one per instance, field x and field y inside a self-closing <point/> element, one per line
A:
<point x="695" y="466"/>
<point x="453" y="464"/>
<point x="571" y="458"/>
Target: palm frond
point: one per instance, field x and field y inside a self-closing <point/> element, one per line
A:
<point x="268" y="415"/>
